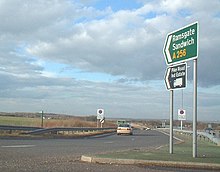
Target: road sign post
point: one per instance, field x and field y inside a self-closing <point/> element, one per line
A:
<point x="181" y="117"/>
<point x="100" y="117"/>
<point x="42" y="119"/>
<point x="181" y="46"/>
<point x="102" y="121"/>
<point x="171" y="121"/>
<point x="195" y="110"/>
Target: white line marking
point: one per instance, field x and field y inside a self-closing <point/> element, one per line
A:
<point x="18" y="146"/>
<point x="108" y="142"/>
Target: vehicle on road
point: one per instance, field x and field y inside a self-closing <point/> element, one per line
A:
<point x="124" y="129"/>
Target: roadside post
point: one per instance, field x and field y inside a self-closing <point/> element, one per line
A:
<point x="181" y="117"/>
<point x="181" y="46"/>
<point x="171" y="121"/>
<point x="195" y="109"/>
<point x="100" y="117"/>
<point x="102" y="121"/>
<point x="42" y="119"/>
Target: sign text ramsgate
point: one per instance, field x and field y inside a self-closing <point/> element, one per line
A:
<point x="185" y="40"/>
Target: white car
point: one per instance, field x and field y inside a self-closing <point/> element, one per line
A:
<point x="124" y="129"/>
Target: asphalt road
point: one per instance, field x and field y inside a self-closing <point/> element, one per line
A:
<point x="64" y="154"/>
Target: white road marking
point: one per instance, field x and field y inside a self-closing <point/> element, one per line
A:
<point x="108" y="142"/>
<point x="18" y="146"/>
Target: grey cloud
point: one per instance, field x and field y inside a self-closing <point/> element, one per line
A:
<point x="128" y="54"/>
<point x="124" y="43"/>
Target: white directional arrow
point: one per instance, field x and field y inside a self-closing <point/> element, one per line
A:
<point x="167" y="46"/>
<point x="167" y="78"/>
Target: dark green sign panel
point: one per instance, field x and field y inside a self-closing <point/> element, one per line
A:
<point x="181" y="45"/>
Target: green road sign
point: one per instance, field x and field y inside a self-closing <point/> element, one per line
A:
<point x="182" y="44"/>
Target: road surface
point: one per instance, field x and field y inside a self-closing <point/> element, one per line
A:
<point x="59" y="155"/>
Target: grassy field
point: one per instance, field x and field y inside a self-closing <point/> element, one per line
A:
<point x="207" y="153"/>
<point x="20" y="121"/>
<point x="36" y="122"/>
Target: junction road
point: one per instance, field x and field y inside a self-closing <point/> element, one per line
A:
<point x="63" y="154"/>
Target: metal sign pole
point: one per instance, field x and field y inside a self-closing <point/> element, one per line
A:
<point x="195" y="110"/>
<point x="181" y="124"/>
<point x="42" y="119"/>
<point x="171" y="121"/>
<point x="172" y="56"/>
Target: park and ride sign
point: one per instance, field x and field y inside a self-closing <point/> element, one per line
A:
<point x="182" y="44"/>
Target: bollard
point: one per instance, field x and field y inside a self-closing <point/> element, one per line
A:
<point x="217" y="133"/>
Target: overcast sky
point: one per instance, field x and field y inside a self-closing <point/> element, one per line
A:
<point x="75" y="56"/>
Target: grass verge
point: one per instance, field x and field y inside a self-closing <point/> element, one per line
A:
<point x="207" y="153"/>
